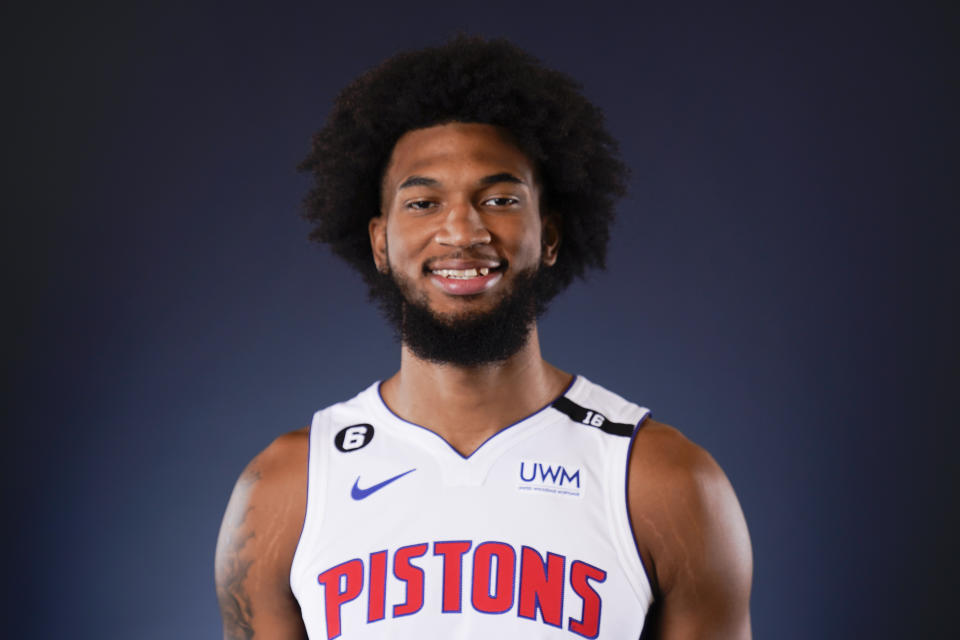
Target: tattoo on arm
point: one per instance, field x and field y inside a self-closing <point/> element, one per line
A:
<point x="236" y="607"/>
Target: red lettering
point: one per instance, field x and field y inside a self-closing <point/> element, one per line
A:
<point x="378" y="586"/>
<point x="495" y="585"/>
<point x="351" y="572"/>
<point x="410" y="574"/>
<point x="502" y="598"/>
<point x="452" y="553"/>
<point x="541" y="587"/>
<point x="588" y="625"/>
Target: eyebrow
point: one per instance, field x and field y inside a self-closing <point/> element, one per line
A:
<point x="423" y="181"/>
<point x="501" y="177"/>
<point x="418" y="181"/>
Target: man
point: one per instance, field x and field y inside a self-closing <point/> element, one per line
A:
<point x="480" y="491"/>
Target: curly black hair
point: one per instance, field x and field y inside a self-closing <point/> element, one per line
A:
<point x="472" y="80"/>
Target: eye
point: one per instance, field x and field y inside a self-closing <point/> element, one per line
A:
<point x="419" y="205"/>
<point x="501" y="201"/>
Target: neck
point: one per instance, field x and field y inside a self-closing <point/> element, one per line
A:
<point x="467" y="405"/>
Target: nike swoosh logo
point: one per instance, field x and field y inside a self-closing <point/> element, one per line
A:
<point x="359" y="494"/>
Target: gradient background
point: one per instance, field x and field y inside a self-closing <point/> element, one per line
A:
<point x="781" y="284"/>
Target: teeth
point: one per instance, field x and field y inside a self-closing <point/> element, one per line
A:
<point x="462" y="274"/>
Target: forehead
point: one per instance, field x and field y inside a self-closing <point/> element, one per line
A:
<point x="456" y="150"/>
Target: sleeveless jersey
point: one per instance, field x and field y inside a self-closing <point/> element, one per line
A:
<point x="528" y="537"/>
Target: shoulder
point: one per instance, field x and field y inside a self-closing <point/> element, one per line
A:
<point x="273" y="485"/>
<point x="688" y="524"/>
<point x="258" y="537"/>
<point x="283" y="461"/>
<point x="279" y="470"/>
<point x="664" y="456"/>
<point x="674" y="483"/>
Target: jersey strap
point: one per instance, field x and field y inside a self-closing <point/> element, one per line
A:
<point x="592" y="418"/>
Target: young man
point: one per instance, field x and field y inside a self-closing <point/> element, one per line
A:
<point x="480" y="491"/>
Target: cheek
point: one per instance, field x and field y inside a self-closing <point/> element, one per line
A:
<point x="528" y="245"/>
<point x="405" y="245"/>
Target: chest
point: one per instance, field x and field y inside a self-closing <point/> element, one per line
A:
<point x="524" y="538"/>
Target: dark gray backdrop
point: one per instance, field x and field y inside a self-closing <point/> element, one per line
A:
<point x="781" y="283"/>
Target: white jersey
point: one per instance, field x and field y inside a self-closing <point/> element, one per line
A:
<point x="528" y="537"/>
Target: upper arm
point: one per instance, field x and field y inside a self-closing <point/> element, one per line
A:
<point x="692" y="535"/>
<point x="258" y="537"/>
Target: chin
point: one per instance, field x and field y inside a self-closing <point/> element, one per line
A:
<point x="468" y="330"/>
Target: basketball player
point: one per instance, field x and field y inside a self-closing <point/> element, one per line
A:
<point x="479" y="492"/>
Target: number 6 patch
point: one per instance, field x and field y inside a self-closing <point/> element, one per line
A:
<point x="354" y="437"/>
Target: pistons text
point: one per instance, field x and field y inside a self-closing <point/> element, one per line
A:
<point x="489" y="577"/>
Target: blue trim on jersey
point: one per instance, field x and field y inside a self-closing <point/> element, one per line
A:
<point x="654" y="587"/>
<point x="538" y="411"/>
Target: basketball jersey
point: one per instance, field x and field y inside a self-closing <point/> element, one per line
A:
<point x="527" y="537"/>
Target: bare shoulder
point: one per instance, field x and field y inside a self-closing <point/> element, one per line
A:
<point x="692" y="535"/>
<point x="282" y="463"/>
<point x="258" y="537"/>
<point x="666" y="461"/>
<point x="272" y="488"/>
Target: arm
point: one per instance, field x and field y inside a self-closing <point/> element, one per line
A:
<point x="692" y="537"/>
<point x="258" y="537"/>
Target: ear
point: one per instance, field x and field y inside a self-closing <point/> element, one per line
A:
<point x="378" y="242"/>
<point x="550" y="239"/>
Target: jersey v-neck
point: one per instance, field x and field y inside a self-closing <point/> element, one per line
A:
<point x="456" y="468"/>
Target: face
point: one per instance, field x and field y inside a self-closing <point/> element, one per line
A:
<point x="460" y="218"/>
<point x="462" y="245"/>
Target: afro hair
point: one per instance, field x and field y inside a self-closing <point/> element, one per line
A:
<point x="472" y="80"/>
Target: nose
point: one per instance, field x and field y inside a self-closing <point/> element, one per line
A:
<point x="462" y="227"/>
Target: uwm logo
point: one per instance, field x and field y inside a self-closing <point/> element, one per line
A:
<point x="549" y="478"/>
<point x="492" y="585"/>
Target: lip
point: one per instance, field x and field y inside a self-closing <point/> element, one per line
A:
<point x="467" y="286"/>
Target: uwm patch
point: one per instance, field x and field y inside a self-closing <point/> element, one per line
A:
<point x="540" y="477"/>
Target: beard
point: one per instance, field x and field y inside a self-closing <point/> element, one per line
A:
<point x="469" y="338"/>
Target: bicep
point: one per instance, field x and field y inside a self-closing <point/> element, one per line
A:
<point x="232" y="567"/>
<point x="691" y="529"/>
<point x="708" y="594"/>
<point x="254" y="551"/>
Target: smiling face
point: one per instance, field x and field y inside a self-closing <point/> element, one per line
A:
<point x="460" y="216"/>
<point x="463" y="243"/>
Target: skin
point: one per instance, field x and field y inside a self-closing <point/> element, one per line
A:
<point x="257" y="539"/>
<point x="461" y="217"/>
<point x="461" y="194"/>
